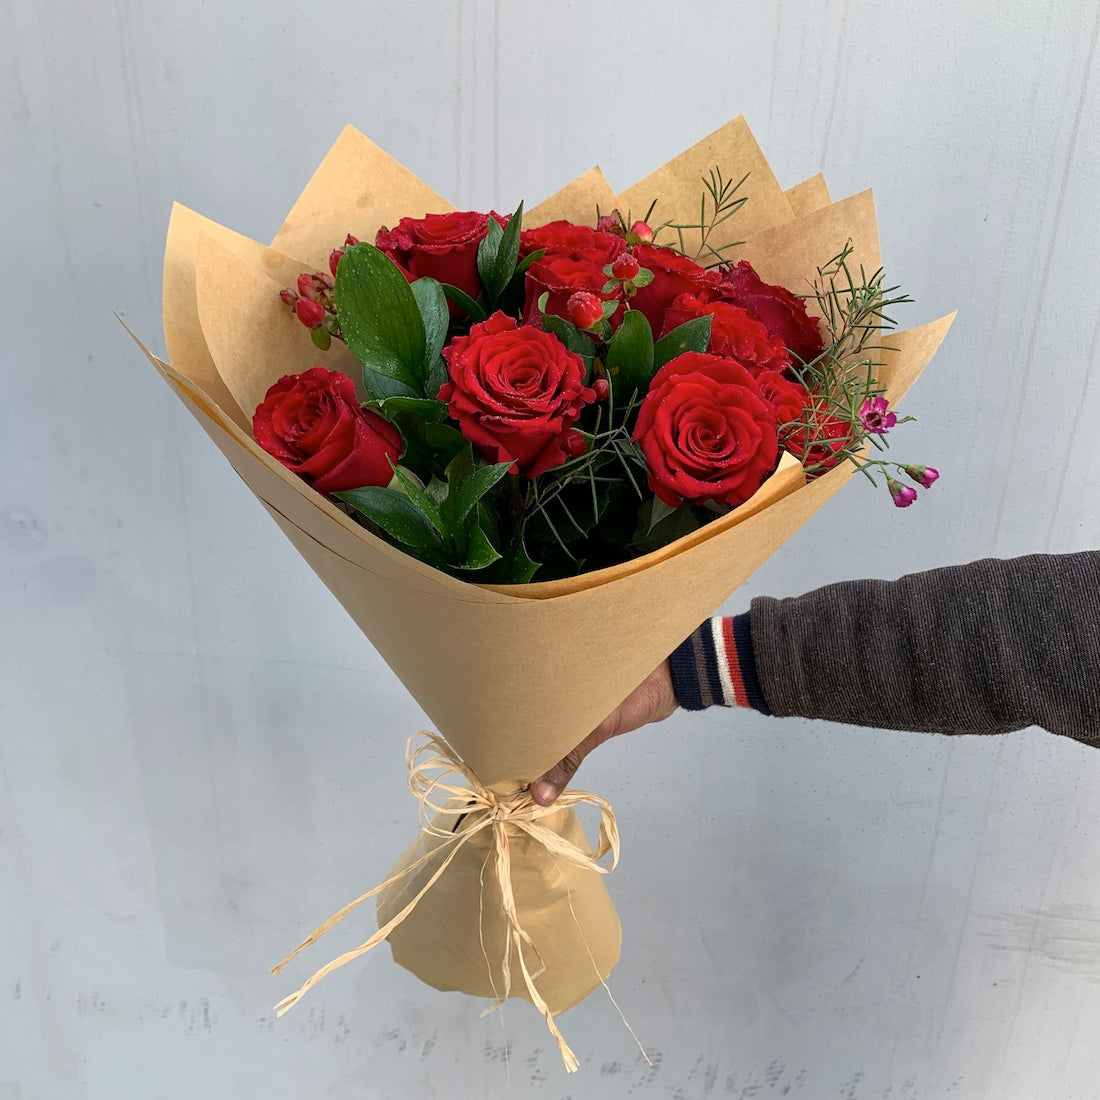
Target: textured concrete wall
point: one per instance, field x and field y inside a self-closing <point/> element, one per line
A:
<point x="200" y="756"/>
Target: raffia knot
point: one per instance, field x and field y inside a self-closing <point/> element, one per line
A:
<point x="476" y="807"/>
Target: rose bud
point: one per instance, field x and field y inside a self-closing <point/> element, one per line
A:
<point x="923" y="475"/>
<point x="575" y="444"/>
<point x="625" y="267"/>
<point x="642" y="231"/>
<point x="602" y="389"/>
<point x="584" y="309"/>
<point x="903" y="495"/>
<point x="310" y="313"/>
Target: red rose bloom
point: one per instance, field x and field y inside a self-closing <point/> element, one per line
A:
<point x="733" y="332"/>
<point x="820" y="441"/>
<point x="673" y="274"/>
<point x="312" y="423"/>
<point x="515" y="392"/>
<point x="561" y="277"/>
<point x="575" y="258"/>
<point x="566" y="239"/>
<point x="706" y="431"/>
<point x="439" y="246"/>
<point x="786" y="397"/>
<point x="783" y="315"/>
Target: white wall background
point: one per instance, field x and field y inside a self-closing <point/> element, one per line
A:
<point x="200" y="756"/>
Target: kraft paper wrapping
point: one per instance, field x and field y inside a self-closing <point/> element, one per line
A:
<point x="456" y="940"/>
<point x="512" y="676"/>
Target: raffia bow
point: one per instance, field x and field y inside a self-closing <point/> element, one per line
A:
<point x="480" y="809"/>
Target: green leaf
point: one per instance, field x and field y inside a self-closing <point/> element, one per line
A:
<point x="462" y="499"/>
<point x="481" y="552"/>
<point x="426" y="408"/>
<point x="321" y="337"/>
<point x="461" y="466"/>
<point x="432" y="303"/>
<point x="643" y="278"/>
<point x="436" y="490"/>
<point x="650" y="514"/>
<point x="498" y="253"/>
<point x="428" y="446"/>
<point x="487" y="252"/>
<point x="420" y="500"/>
<point x="515" y="566"/>
<point x="693" y="335"/>
<point x="570" y="336"/>
<point x="395" y="514"/>
<point x="673" y="525"/>
<point x="379" y="316"/>
<point x="511" y="301"/>
<point x="630" y="357"/>
<point x="382" y="387"/>
<point x="527" y="261"/>
<point x="436" y="376"/>
<point x="508" y="254"/>
<point x="464" y="302"/>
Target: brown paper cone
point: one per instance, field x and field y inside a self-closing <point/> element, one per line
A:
<point x="455" y="938"/>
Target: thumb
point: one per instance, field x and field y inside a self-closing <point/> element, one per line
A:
<point x="546" y="789"/>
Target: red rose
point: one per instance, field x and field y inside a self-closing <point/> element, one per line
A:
<point x="733" y="332"/>
<point x="786" y="397"/>
<point x="673" y="274"/>
<point x="820" y="441"/>
<point x="516" y="392"/>
<point x="783" y="315"/>
<point x="312" y="423"/>
<point x="562" y="276"/>
<point x="565" y="238"/>
<point x="706" y="431"/>
<point x="575" y="258"/>
<point x="439" y="246"/>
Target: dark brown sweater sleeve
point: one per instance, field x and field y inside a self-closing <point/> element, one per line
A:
<point x="988" y="647"/>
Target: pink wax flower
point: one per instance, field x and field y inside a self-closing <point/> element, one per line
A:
<point x="903" y="495"/>
<point x="923" y="475"/>
<point x="875" y="416"/>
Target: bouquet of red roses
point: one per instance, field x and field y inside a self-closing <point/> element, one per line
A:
<point x="536" y="403"/>
<point x="505" y="443"/>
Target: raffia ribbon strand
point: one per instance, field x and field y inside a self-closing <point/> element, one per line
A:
<point x="429" y="762"/>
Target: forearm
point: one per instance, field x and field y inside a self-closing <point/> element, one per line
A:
<point x="980" y="648"/>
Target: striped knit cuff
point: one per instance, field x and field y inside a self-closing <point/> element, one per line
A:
<point x="716" y="667"/>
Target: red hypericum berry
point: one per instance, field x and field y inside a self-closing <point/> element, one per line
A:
<point x="584" y="309"/>
<point x="642" y="231"/>
<point x="309" y="312"/>
<point x="575" y="444"/>
<point x="334" y="258"/>
<point x="625" y="267"/>
<point x="305" y="286"/>
<point x="602" y="388"/>
<point x="288" y="296"/>
<point x="349" y="240"/>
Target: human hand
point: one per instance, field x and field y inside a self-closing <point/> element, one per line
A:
<point x="652" y="700"/>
